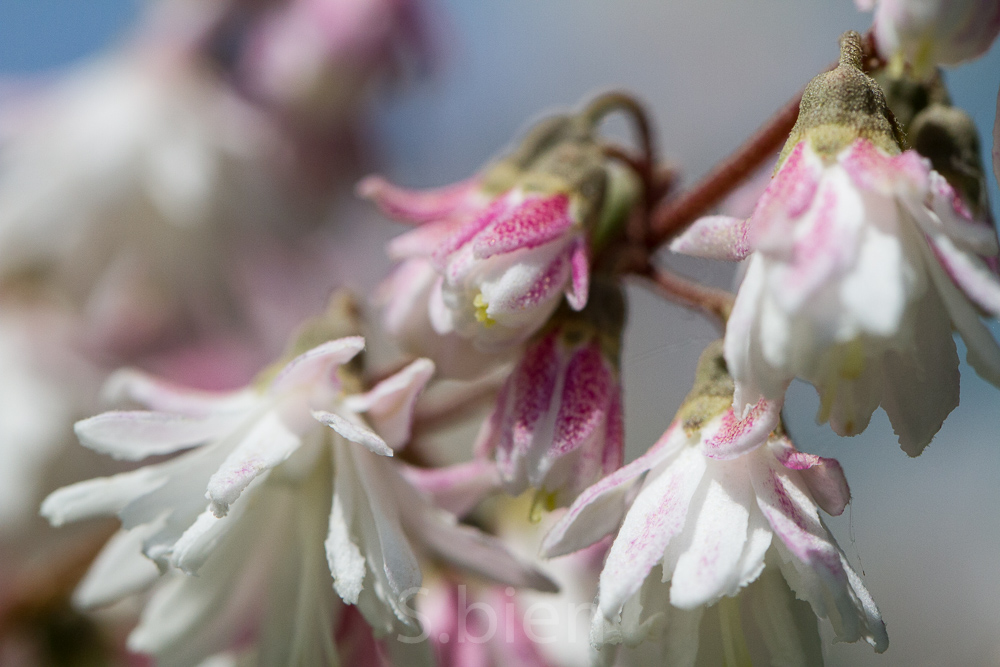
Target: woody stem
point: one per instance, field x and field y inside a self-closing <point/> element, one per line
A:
<point x="715" y="303"/>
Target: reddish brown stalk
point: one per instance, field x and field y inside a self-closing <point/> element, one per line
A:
<point x="674" y="215"/>
<point x="716" y="303"/>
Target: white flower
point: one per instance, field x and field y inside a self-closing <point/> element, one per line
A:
<point x="121" y="184"/>
<point x="709" y="499"/>
<point x="183" y="512"/>
<point x="927" y="33"/>
<point x="862" y="265"/>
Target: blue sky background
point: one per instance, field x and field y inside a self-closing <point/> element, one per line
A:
<point x="925" y="531"/>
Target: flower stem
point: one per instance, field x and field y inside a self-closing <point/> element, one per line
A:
<point x="606" y="103"/>
<point x="715" y="303"/>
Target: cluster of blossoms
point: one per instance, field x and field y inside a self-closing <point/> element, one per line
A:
<point x="370" y="505"/>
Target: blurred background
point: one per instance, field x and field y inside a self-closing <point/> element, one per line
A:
<point x="924" y="532"/>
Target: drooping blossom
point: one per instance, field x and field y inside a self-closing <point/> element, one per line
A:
<point x="185" y="511"/>
<point x="927" y="33"/>
<point x="705" y="504"/>
<point x="862" y="259"/>
<point x="508" y="244"/>
<point x="557" y="425"/>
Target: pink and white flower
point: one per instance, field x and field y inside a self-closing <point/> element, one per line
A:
<point x="927" y="33"/>
<point x="182" y="512"/>
<point x="557" y="425"/>
<point x="315" y="60"/>
<point x="503" y="262"/>
<point x="860" y="265"/>
<point x="705" y="504"/>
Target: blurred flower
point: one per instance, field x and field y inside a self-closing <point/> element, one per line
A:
<point x="270" y="436"/>
<point x="557" y="425"/>
<point x="863" y="260"/>
<point x="711" y="495"/>
<point x="927" y="33"/>
<point x="314" y="60"/>
<point x="509" y="243"/>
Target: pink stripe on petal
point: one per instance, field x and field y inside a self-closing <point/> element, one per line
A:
<point x="657" y="515"/>
<point x="970" y="273"/>
<point x="585" y="399"/>
<point x="788" y="197"/>
<point x="465" y="232"/>
<point x="417" y="206"/>
<point x="597" y="511"/>
<point x="580" y="276"/>
<point x="735" y="437"/>
<point x="872" y="169"/>
<point x="614" y="439"/>
<point x="534" y="385"/>
<point x="536" y="221"/>
<point x="823" y="476"/>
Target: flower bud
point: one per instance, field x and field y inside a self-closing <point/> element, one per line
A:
<point x="508" y="244"/>
<point x="557" y="425"/>
<point x="844" y="105"/>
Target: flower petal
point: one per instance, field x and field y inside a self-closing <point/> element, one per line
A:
<point x="823" y="476"/>
<point x="417" y="205"/>
<point x="118" y="571"/>
<point x="585" y="400"/>
<point x="969" y="273"/>
<point x="709" y="568"/>
<point x="732" y="437"/>
<point x="658" y="513"/>
<point x="457" y="488"/>
<point x="715" y="237"/>
<point x="102" y="496"/>
<point x="579" y="286"/>
<point x="353" y="431"/>
<point x="534" y="222"/>
<point x="389" y="405"/>
<point x="164" y="396"/>
<point x="313" y="365"/>
<point x="134" y="435"/>
<point x="268" y="443"/>
<point x="599" y="509"/>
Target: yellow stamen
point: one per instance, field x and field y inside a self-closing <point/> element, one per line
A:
<point x="480" y="303"/>
<point x="543" y="500"/>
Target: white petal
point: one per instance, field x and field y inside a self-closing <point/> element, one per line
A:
<point x="970" y="273"/>
<point x="354" y="431"/>
<point x="135" y="435"/>
<point x="312" y="366"/>
<point x="599" y="509"/>
<point x="268" y="443"/>
<point x="118" y="571"/>
<point x="344" y="559"/>
<point x="103" y="496"/>
<point x="710" y="569"/>
<point x="389" y="405"/>
<point x="657" y="515"/>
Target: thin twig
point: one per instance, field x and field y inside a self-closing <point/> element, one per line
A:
<point x="717" y="304"/>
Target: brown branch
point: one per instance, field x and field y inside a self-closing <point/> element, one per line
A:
<point x="717" y="304"/>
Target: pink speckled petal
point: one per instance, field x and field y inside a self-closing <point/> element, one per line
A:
<point x="465" y="232"/>
<point x="824" y="476"/>
<point x="316" y="364"/>
<point x="534" y="222"/>
<point x="599" y="509"/>
<point x="389" y="404"/>
<point x="786" y="199"/>
<point x="657" y="515"/>
<point x="585" y="400"/>
<point x="416" y="206"/>
<point x="531" y="391"/>
<point x="735" y="437"/>
<point x="715" y="237"/>
<point x="872" y="169"/>
<point x="423" y="241"/>
<point x="579" y="286"/>
<point x="265" y="446"/>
